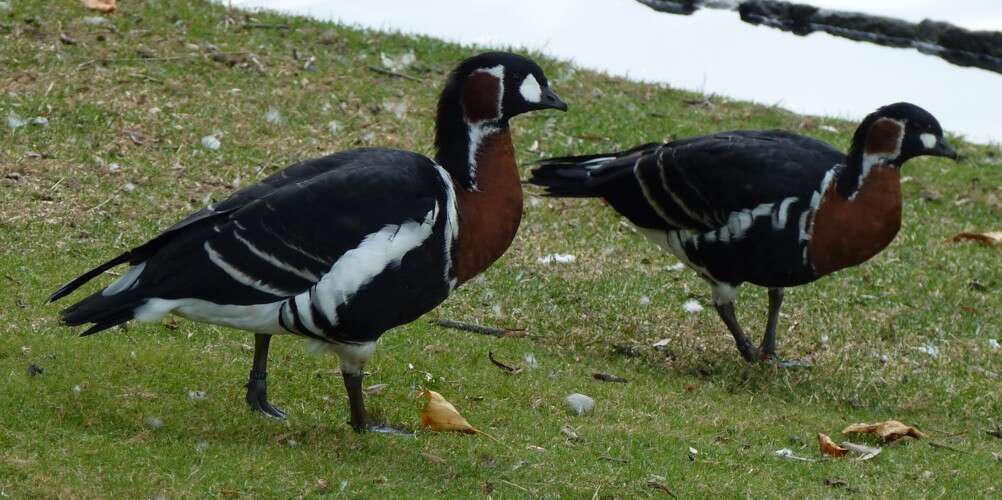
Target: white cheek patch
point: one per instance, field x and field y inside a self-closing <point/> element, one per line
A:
<point x="928" y="140"/>
<point x="530" y="89"/>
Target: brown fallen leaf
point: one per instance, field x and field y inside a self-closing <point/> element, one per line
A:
<point x="991" y="239"/>
<point x="828" y="447"/>
<point x="439" y="415"/>
<point x="106" y="6"/>
<point x="890" y="430"/>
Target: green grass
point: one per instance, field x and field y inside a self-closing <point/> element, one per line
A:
<point x="149" y="75"/>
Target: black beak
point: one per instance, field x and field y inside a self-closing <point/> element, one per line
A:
<point x="550" y="100"/>
<point x="943" y="149"/>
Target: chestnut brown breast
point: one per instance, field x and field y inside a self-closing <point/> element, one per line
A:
<point x="489" y="218"/>
<point x="849" y="232"/>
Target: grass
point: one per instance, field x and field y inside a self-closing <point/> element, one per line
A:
<point x="128" y="103"/>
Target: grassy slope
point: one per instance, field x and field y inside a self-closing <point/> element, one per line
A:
<point x="62" y="210"/>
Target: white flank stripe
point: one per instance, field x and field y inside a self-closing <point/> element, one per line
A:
<point x="257" y="318"/>
<point x="779" y="216"/>
<point x="360" y="265"/>
<point x="451" y="223"/>
<point x="239" y="276"/>
<point x="126" y="281"/>
<point x="271" y="259"/>
<point x="805" y="231"/>
<point x="306" y="313"/>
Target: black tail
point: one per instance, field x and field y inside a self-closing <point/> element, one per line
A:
<point x="89" y="275"/>
<point x="582" y="176"/>
<point x="105" y="311"/>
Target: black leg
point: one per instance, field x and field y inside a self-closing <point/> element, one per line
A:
<point x="745" y="347"/>
<point x="768" y="347"/>
<point x="257" y="386"/>
<point x="356" y="401"/>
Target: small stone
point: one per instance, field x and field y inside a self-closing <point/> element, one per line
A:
<point x="196" y="395"/>
<point x="40" y="121"/>
<point x="154" y="423"/>
<point x="328" y="37"/>
<point x="579" y="403"/>
<point x="202" y="446"/>
<point x="35" y="370"/>
<point x="114" y="167"/>
<point x="94" y="21"/>
<point x="994" y="344"/>
<point x="4" y="6"/>
<point x="211" y="142"/>
<point x="77" y="389"/>
<point x="645" y="300"/>
<point x="129" y="187"/>
<point x="333" y="126"/>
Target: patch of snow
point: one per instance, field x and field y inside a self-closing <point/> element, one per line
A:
<point x="211" y="142"/>
<point x="579" y="403"/>
<point x="399" y="62"/>
<point x="530" y="360"/>
<point x="14" y="121"/>
<point x="692" y="306"/>
<point x="678" y="266"/>
<point x="558" y="258"/>
<point x="94" y="20"/>
<point x="273" y="116"/>
<point x="398" y="108"/>
<point x="930" y="350"/>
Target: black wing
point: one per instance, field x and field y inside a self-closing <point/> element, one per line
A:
<point x="699" y="182"/>
<point x="210" y="215"/>
<point x="694" y="183"/>
<point x="279" y="241"/>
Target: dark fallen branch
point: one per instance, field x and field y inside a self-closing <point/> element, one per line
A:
<point x="608" y="377"/>
<point x="514" y="370"/>
<point x="946" y="447"/>
<point x="996" y="432"/>
<point x="485" y="330"/>
<point x="384" y="71"/>
<point x="262" y="26"/>
<point x="980" y="49"/>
